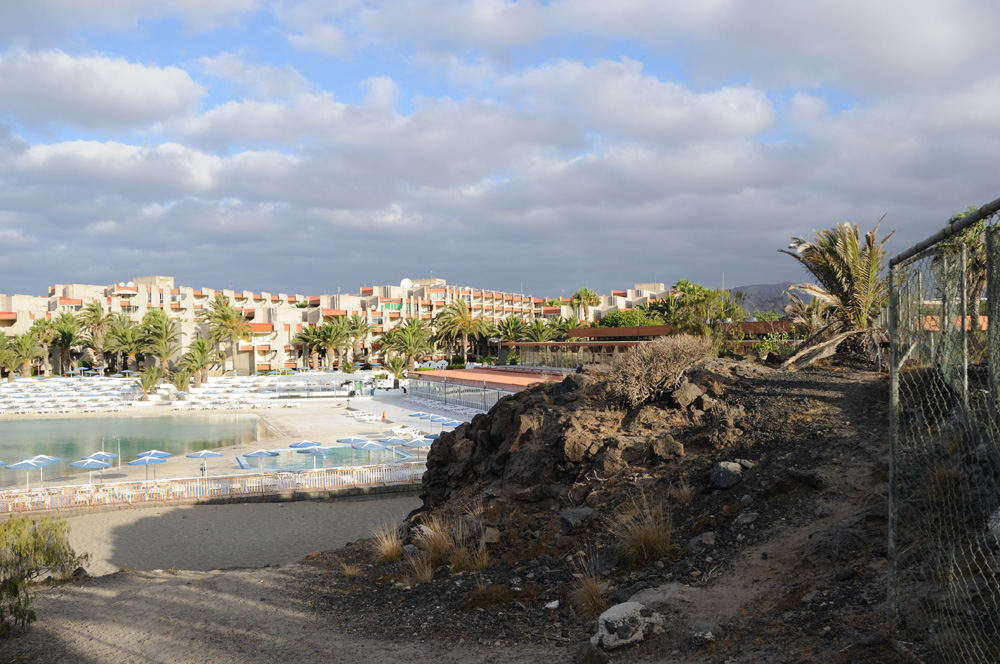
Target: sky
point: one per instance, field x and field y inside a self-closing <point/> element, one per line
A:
<point x="311" y="147"/>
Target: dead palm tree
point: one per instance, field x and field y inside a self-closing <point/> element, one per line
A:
<point x="851" y="282"/>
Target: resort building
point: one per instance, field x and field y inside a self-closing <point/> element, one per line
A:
<point x="276" y="318"/>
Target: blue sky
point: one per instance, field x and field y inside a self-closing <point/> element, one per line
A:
<point x="303" y="146"/>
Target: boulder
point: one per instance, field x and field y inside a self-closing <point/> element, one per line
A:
<point x="685" y="394"/>
<point x="665" y="447"/>
<point x="703" y="634"/>
<point x="626" y="623"/>
<point x="667" y="600"/>
<point x="725" y="474"/>
<point x="573" y="521"/>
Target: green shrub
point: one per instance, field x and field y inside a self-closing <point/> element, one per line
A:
<point x="651" y="370"/>
<point x="29" y="548"/>
<point x="456" y="366"/>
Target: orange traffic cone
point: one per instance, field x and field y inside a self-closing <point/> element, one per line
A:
<point x="383" y="416"/>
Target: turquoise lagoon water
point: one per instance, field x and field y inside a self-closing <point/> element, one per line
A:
<point x="69" y="439"/>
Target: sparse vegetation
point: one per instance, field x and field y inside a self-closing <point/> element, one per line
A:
<point x="588" y="593"/>
<point x="436" y="540"/>
<point x="680" y="492"/>
<point x="386" y="543"/>
<point x="651" y="370"/>
<point x="350" y="570"/>
<point x="645" y="533"/>
<point x="423" y="568"/>
<point x="30" y="547"/>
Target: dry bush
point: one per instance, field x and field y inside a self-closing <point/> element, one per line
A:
<point x="651" y="370"/>
<point x="645" y="533"/>
<point x="423" y="568"/>
<point x="588" y="595"/>
<point x="680" y="492"/>
<point x="350" y="570"/>
<point x="436" y="539"/>
<point x="387" y="544"/>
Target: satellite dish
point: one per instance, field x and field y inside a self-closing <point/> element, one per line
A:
<point x="405" y="283"/>
<point x="130" y="284"/>
<point x="121" y="283"/>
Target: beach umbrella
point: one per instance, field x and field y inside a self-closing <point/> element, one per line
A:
<point x="260" y="455"/>
<point x="147" y="461"/>
<point x="392" y="441"/>
<point x="159" y="454"/>
<point x="101" y="456"/>
<point x="351" y="440"/>
<point x="204" y="455"/>
<point x="433" y="436"/>
<point x="418" y="443"/>
<point x="90" y="465"/>
<point x="47" y="459"/>
<point x="318" y="451"/>
<point x="367" y="446"/>
<point x="27" y="465"/>
<point x="420" y="415"/>
<point x="303" y="444"/>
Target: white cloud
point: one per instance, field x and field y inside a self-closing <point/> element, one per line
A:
<point x="255" y="80"/>
<point x="40" y="19"/>
<point x="92" y="91"/>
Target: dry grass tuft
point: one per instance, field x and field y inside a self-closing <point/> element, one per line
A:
<point x="387" y="545"/>
<point x="588" y="595"/>
<point x="645" y="533"/>
<point x="350" y="570"/>
<point x="436" y="540"/>
<point x="484" y="596"/>
<point x="680" y="492"/>
<point x="651" y="370"/>
<point x="423" y="568"/>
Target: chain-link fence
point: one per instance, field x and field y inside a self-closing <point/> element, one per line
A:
<point x="944" y="541"/>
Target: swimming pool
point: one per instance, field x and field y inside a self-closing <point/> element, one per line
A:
<point x="71" y="438"/>
<point x="338" y="457"/>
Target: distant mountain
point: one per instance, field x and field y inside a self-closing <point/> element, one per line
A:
<point x="764" y="297"/>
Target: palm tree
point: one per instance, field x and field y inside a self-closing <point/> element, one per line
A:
<point x="181" y="379"/>
<point x="45" y="332"/>
<point x="511" y="330"/>
<point x="537" y="332"/>
<point x="24" y="349"/>
<point x="96" y="322"/>
<point x="359" y="330"/>
<point x="159" y="335"/>
<point x="148" y="380"/>
<point x="225" y="323"/>
<point x="200" y="355"/>
<point x="126" y="339"/>
<point x="410" y="340"/>
<point x="395" y="365"/>
<point x="309" y="338"/>
<point x="560" y="328"/>
<point x="806" y="317"/>
<point x="585" y="299"/>
<point x="7" y="360"/>
<point x="332" y="337"/>
<point x="849" y="273"/>
<point x="458" y="319"/>
<point x="67" y="335"/>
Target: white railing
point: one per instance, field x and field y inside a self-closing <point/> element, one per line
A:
<point x="201" y="489"/>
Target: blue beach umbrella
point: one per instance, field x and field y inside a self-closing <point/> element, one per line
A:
<point x="159" y="454"/>
<point x="367" y="446"/>
<point x="204" y="455"/>
<point x="433" y="436"/>
<point x="304" y="444"/>
<point x="393" y="441"/>
<point x="351" y="440"/>
<point x="260" y="455"/>
<point x="318" y="451"/>
<point x="420" y="415"/>
<point x="90" y="465"/>
<point x="147" y="461"/>
<point x="27" y="465"/>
